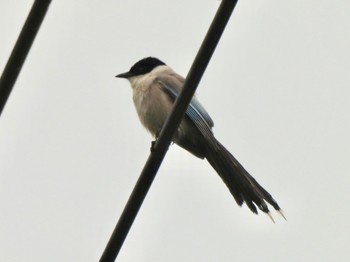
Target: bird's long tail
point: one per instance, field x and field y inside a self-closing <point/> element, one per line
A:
<point x="241" y="184"/>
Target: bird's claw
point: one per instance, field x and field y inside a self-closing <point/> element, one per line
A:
<point x="153" y="143"/>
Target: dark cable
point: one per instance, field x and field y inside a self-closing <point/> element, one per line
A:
<point x="21" y="49"/>
<point x="162" y="144"/>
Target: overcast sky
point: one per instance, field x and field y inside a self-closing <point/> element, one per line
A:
<point x="72" y="148"/>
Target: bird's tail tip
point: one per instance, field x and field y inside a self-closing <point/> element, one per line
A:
<point x="271" y="217"/>
<point x="280" y="212"/>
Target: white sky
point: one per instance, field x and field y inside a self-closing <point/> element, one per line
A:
<point x="72" y="148"/>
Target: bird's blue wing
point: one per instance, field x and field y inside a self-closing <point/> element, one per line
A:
<point x="195" y="111"/>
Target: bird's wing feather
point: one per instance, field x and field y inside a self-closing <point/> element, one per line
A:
<point x="195" y="111"/>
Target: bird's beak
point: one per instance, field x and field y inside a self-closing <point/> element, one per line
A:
<point x="124" y="75"/>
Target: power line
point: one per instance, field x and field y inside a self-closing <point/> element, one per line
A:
<point x="21" y="49"/>
<point x="161" y="146"/>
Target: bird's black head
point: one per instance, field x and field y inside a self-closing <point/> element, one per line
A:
<point x="142" y="67"/>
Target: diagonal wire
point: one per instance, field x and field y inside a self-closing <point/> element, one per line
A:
<point x="161" y="146"/>
<point x="21" y="49"/>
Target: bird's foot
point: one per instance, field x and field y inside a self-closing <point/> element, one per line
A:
<point x="153" y="143"/>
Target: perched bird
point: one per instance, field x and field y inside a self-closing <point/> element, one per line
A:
<point x="155" y="87"/>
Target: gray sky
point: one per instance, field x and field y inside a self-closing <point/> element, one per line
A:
<point x="72" y="148"/>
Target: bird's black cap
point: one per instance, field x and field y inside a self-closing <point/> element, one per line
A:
<point x="142" y="67"/>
